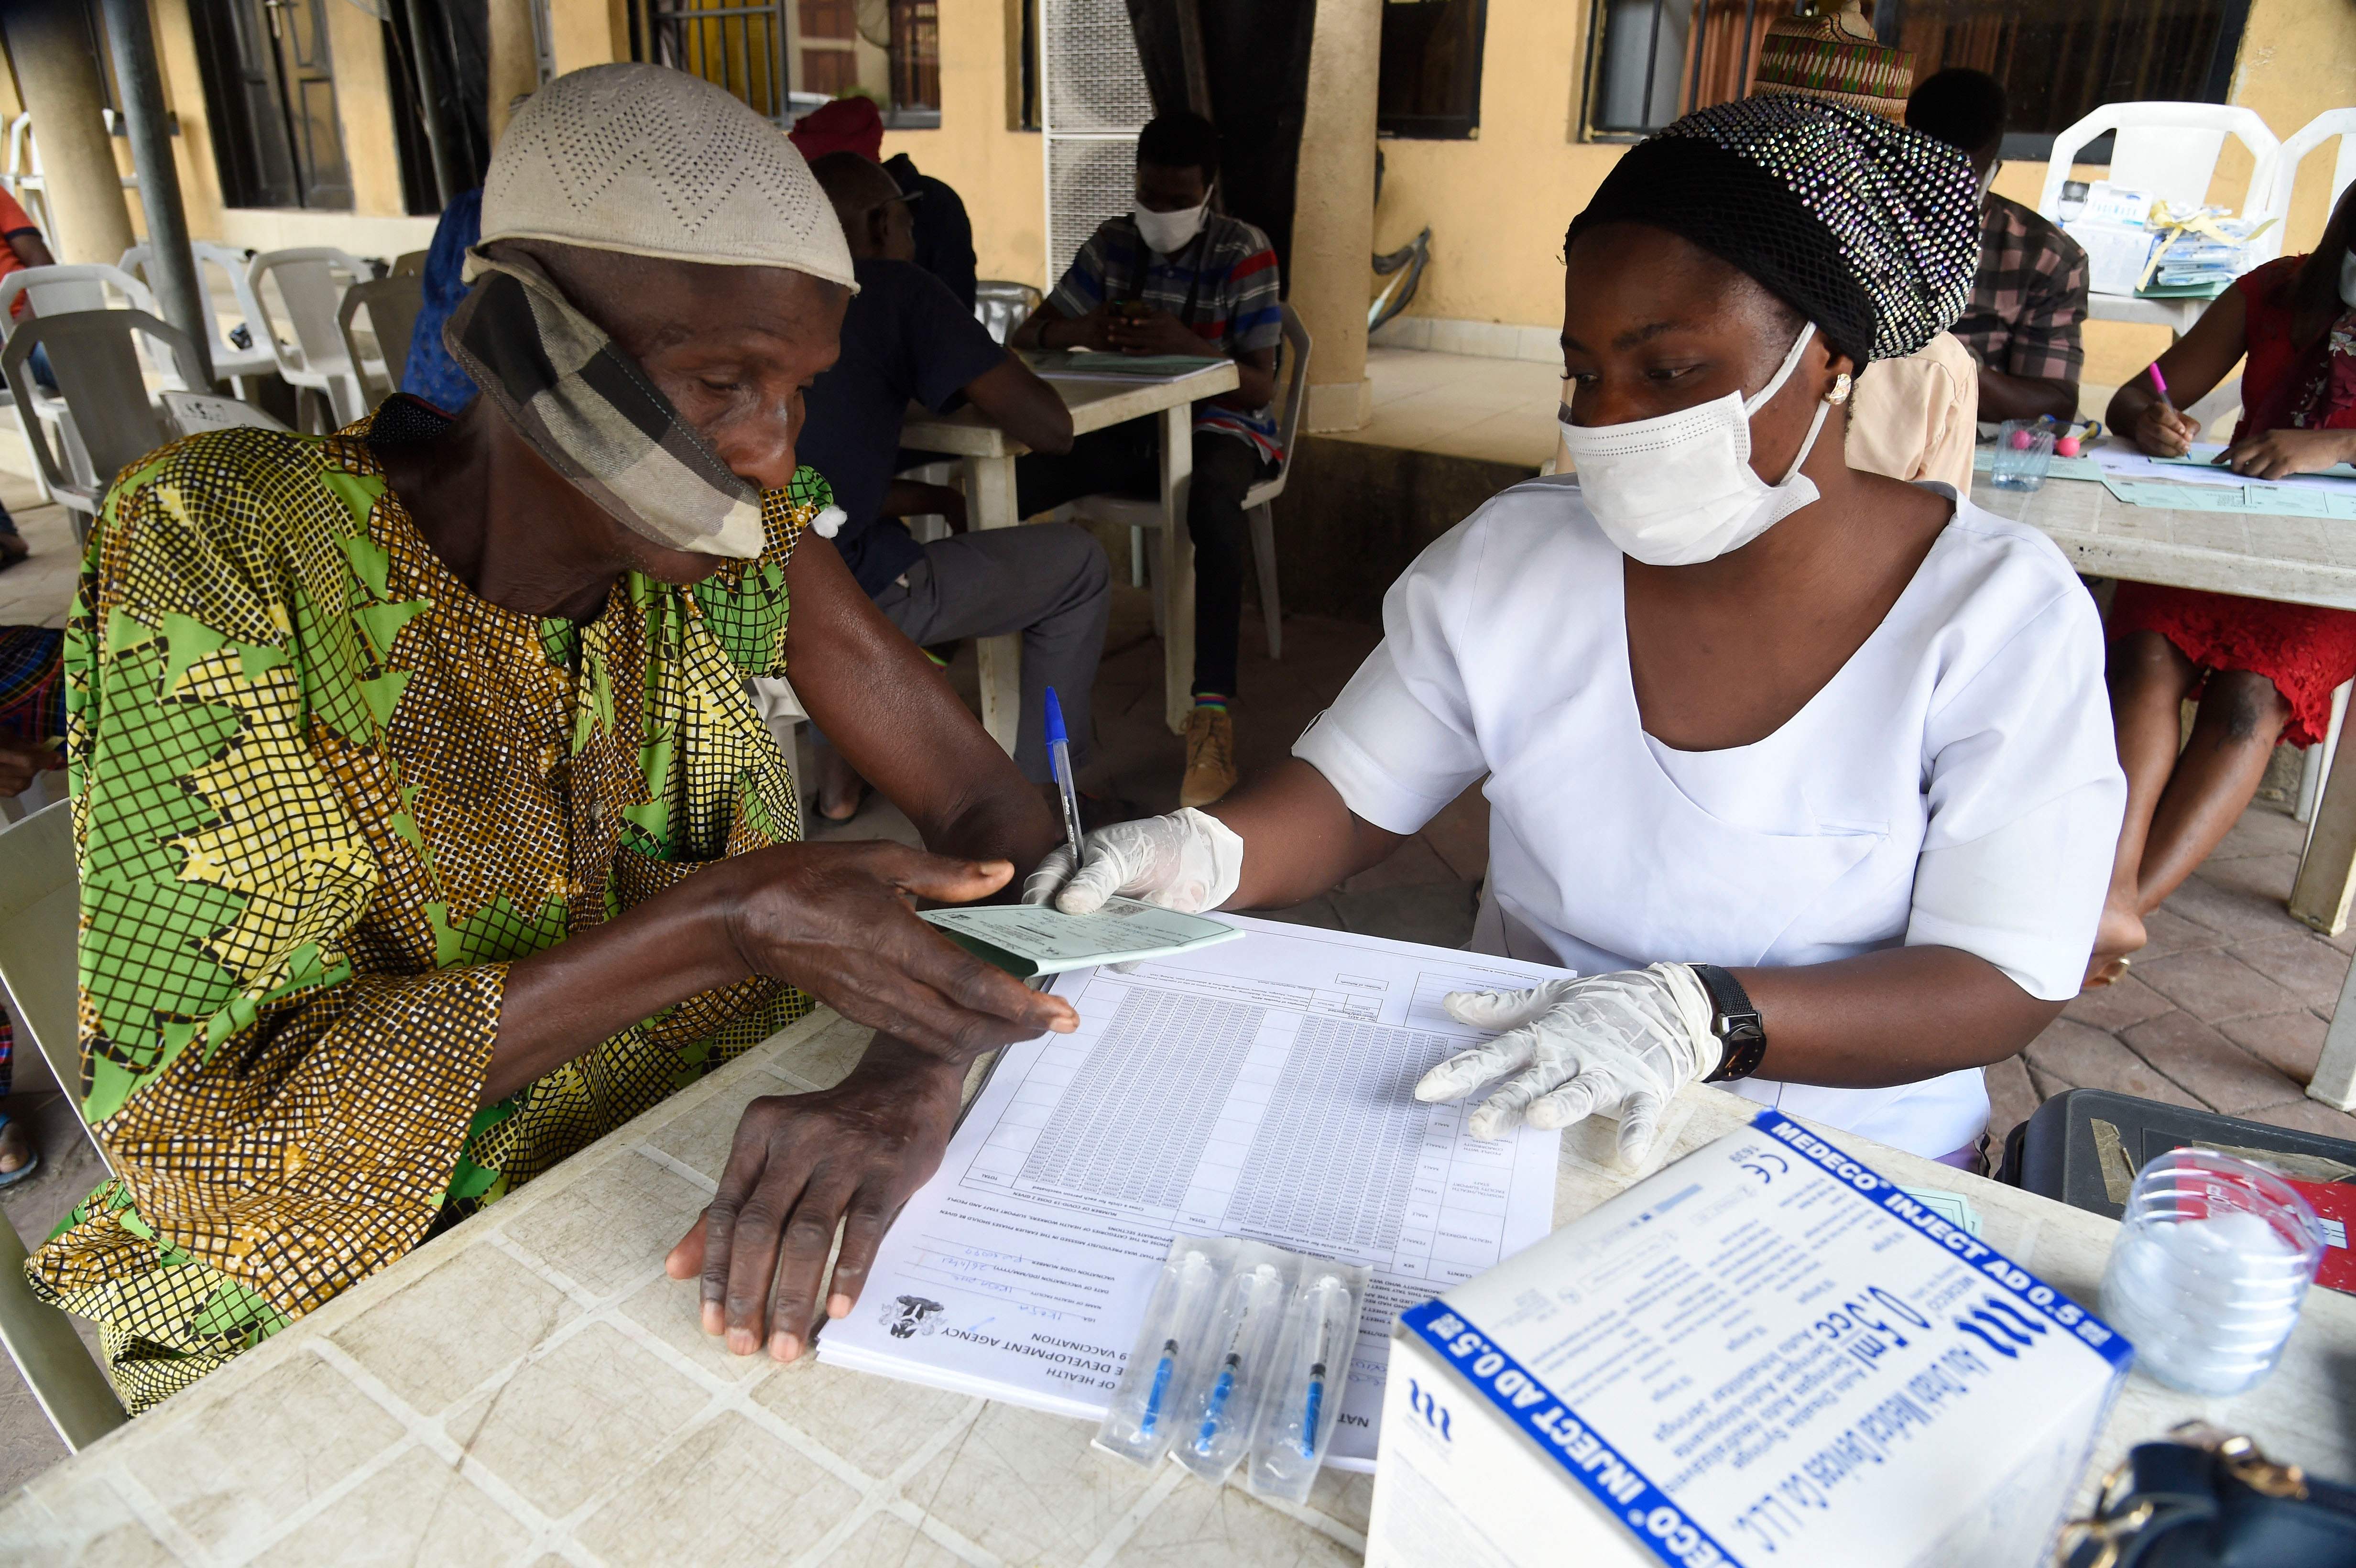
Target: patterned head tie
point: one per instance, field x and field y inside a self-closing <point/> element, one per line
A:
<point x="1869" y="230"/>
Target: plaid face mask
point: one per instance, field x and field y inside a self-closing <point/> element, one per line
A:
<point x="589" y="410"/>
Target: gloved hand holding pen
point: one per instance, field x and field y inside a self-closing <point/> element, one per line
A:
<point x="1620" y="1044"/>
<point x="1188" y="862"/>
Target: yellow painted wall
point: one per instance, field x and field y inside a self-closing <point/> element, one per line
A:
<point x="999" y="171"/>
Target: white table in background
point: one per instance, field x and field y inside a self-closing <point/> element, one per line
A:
<point x="529" y="1388"/>
<point x="2296" y="561"/>
<point x="989" y="453"/>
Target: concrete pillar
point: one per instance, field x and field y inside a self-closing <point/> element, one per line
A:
<point x="515" y="60"/>
<point x="50" y="47"/>
<point x="1333" y="211"/>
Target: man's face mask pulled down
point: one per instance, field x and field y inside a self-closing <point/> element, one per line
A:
<point x="593" y="414"/>
<point x="1679" y="489"/>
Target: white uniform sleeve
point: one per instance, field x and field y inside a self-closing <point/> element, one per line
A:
<point x="1398" y="744"/>
<point x="2026" y="797"/>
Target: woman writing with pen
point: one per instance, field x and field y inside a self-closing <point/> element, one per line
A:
<point x="2261" y="672"/>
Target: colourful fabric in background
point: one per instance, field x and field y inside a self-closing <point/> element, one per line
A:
<point x="14" y="220"/>
<point x="323" y="796"/>
<point x="431" y="373"/>
<point x="1225" y="285"/>
<point x="32" y="683"/>
<point x="2028" y="310"/>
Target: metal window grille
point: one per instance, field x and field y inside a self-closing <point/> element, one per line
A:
<point x="1096" y="102"/>
<point x="740" y="44"/>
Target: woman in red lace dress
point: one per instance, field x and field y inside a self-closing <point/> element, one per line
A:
<point x="2261" y="672"/>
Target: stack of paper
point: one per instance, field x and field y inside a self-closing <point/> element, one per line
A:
<point x="2260" y="499"/>
<point x="1261" y="1088"/>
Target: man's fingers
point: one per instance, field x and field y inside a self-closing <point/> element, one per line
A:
<point x="938" y="876"/>
<point x="750" y="1261"/>
<point x="1468" y="1070"/>
<point x="807" y="1239"/>
<point x="862" y="1234"/>
<point x="978" y="987"/>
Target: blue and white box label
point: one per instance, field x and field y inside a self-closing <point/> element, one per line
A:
<point x="1764" y="1353"/>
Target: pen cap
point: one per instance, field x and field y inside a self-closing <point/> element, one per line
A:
<point x="1055" y="735"/>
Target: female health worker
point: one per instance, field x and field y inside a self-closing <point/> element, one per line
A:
<point x="1806" y="772"/>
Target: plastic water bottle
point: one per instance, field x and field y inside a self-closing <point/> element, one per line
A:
<point x="2211" y="1264"/>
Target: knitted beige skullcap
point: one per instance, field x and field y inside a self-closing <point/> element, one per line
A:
<point x="653" y="162"/>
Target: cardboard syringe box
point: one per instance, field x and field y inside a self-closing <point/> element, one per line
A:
<point x="1763" y="1353"/>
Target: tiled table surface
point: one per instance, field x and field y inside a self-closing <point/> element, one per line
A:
<point x="531" y="1390"/>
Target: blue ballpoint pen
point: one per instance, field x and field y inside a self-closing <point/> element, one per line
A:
<point x="1059" y="759"/>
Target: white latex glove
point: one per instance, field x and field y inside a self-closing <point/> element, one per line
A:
<point x="1621" y="1044"/>
<point x="1189" y="861"/>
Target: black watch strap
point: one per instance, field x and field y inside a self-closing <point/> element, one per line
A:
<point x="1738" y="1025"/>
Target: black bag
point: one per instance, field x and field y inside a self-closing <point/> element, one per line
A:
<point x="2204" y="1499"/>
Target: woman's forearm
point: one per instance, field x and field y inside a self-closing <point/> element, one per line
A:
<point x="1300" y="838"/>
<point x="1898" y="1016"/>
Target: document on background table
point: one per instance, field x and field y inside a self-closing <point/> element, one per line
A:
<point x="1031" y="939"/>
<point x="1260" y="1088"/>
<point x="2276" y="500"/>
<point x="2119" y="460"/>
<point x="1097" y="364"/>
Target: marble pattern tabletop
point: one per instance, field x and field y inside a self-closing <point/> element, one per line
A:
<point x="530" y="1389"/>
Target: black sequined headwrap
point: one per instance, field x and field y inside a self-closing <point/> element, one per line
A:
<point x="1868" y="228"/>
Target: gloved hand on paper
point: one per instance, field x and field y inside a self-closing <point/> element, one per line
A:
<point x="1188" y="862"/>
<point x="1620" y="1044"/>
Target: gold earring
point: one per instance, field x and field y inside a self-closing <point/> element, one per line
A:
<point x="1840" y="394"/>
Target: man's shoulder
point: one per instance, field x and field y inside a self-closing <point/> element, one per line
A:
<point x="1232" y="236"/>
<point x="2039" y="231"/>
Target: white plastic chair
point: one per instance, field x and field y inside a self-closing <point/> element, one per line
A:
<point x="317" y="362"/>
<point x="61" y="290"/>
<point x="116" y="417"/>
<point x="1140" y="515"/>
<point x="2324" y="127"/>
<point x="230" y="363"/>
<point x="2171" y="150"/>
<point x="40" y="912"/>
<point x="393" y="305"/>
<point x="1001" y="305"/>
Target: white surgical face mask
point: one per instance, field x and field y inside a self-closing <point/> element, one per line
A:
<point x="1679" y="488"/>
<point x="1167" y="233"/>
<point x="2347" y="279"/>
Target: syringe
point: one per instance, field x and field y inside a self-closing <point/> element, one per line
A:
<point x="1194" y="1273"/>
<point x="1329" y="1297"/>
<point x="1254" y="1292"/>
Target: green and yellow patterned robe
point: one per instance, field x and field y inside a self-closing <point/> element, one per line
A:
<point x="322" y="795"/>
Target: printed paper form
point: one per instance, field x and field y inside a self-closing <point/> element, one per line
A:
<point x="1259" y="1088"/>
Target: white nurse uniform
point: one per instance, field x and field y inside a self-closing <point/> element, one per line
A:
<point x="1955" y="783"/>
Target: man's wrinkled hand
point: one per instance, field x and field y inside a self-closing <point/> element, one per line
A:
<point x="838" y="920"/>
<point x="802" y="1166"/>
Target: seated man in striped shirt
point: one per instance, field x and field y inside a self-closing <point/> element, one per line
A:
<point x="1174" y="277"/>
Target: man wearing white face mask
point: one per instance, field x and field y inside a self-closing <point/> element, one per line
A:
<point x="1801" y="768"/>
<point x="1173" y="277"/>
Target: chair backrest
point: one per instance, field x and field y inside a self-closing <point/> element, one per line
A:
<point x="192" y="413"/>
<point x="76" y="286"/>
<point x="409" y="265"/>
<point x="308" y="279"/>
<point x="39" y="900"/>
<point x="1001" y="304"/>
<point x="2332" y="123"/>
<point x="393" y="304"/>
<point x="231" y="263"/>
<point x="99" y="378"/>
<point x="2166" y="148"/>
<point x="1296" y="385"/>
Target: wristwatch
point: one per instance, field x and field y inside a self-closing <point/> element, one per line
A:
<point x="1736" y="1025"/>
